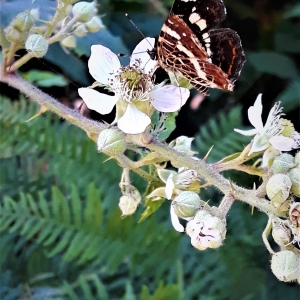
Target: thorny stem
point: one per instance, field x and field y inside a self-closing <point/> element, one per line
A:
<point x="225" y="205"/>
<point x="93" y="129"/>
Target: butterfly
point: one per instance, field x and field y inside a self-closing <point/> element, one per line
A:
<point x="189" y="47"/>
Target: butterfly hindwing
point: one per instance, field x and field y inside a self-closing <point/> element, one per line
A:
<point x="189" y="47"/>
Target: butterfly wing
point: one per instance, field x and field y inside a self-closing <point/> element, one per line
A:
<point x="180" y="51"/>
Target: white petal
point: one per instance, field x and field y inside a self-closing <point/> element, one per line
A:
<point x="175" y="220"/>
<point x="169" y="186"/>
<point x="260" y="143"/>
<point x="164" y="174"/>
<point x="169" y="98"/>
<point x="140" y="52"/>
<point x="254" y="115"/>
<point x="133" y="121"/>
<point x="282" y="143"/>
<point x="102" y="63"/>
<point x="246" y="132"/>
<point x="94" y="100"/>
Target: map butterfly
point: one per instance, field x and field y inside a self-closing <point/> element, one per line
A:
<point x="188" y="46"/>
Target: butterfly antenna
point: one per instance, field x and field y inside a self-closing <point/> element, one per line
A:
<point x="130" y="20"/>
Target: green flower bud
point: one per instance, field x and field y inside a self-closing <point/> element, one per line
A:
<point x="281" y="234"/>
<point x="297" y="158"/>
<point x="84" y="11"/>
<point x="294" y="175"/>
<point x="285" y="265"/>
<point x="111" y="142"/>
<point x="278" y="189"/>
<point x="69" y="42"/>
<point x="95" y="24"/>
<point x="37" y="44"/>
<point x="186" y="204"/>
<point x="13" y="35"/>
<point x="23" y="21"/>
<point x="128" y="205"/>
<point x="80" y="30"/>
<point x="283" y="163"/>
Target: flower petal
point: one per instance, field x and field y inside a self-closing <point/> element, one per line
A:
<point x="246" y="132"/>
<point x="260" y="143"/>
<point x="282" y="143"/>
<point x="94" y="100"/>
<point x="254" y="114"/>
<point x="269" y="154"/>
<point x="170" y="185"/>
<point x="164" y="174"/>
<point x="140" y="52"/>
<point x="102" y="63"/>
<point x="175" y="220"/>
<point x="169" y="98"/>
<point x="133" y="121"/>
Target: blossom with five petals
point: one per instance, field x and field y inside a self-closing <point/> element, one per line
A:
<point x="275" y="136"/>
<point x="135" y="95"/>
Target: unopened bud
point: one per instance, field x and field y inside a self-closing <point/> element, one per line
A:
<point x="285" y="265"/>
<point x="69" y="42"/>
<point x="294" y="175"/>
<point x="95" y="24"/>
<point x="37" y="44"/>
<point x="186" y="204"/>
<point x="281" y="234"/>
<point x="278" y="189"/>
<point x="80" y="30"/>
<point x="23" y="21"/>
<point x="128" y="205"/>
<point x="84" y="11"/>
<point x="12" y="34"/>
<point x="111" y="142"/>
<point x="297" y="158"/>
<point x="283" y="163"/>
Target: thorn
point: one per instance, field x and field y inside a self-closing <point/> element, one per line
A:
<point x="207" y="154"/>
<point x="41" y="111"/>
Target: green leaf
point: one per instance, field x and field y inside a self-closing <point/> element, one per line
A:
<point x="44" y="78"/>
<point x="151" y="207"/>
<point x="273" y="63"/>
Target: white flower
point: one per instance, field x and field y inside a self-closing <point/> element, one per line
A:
<point x="136" y="96"/>
<point x="273" y="137"/>
<point x="175" y="184"/>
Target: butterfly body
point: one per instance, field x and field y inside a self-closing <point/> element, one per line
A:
<point x="187" y="46"/>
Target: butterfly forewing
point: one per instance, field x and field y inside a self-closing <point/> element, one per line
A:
<point x="205" y="57"/>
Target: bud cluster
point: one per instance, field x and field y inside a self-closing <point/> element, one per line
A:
<point x="284" y="184"/>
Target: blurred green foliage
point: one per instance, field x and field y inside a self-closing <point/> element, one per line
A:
<point x="62" y="236"/>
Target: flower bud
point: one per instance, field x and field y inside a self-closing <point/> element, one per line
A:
<point x="95" y="24"/>
<point x="69" y="42"/>
<point x="281" y="234"/>
<point x="278" y="189"/>
<point x="37" y="44"/>
<point x="283" y="163"/>
<point x="206" y="231"/>
<point x="294" y="175"/>
<point x="285" y="265"/>
<point x="84" y="11"/>
<point x="111" y="142"/>
<point x="186" y="204"/>
<point x="23" y="21"/>
<point x="128" y="205"/>
<point x="135" y="194"/>
<point x="297" y="158"/>
<point x="80" y="30"/>
<point x="12" y="34"/>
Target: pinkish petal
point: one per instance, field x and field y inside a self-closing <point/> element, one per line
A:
<point x="101" y="103"/>
<point x="169" y="98"/>
<point x="282" y="143"/>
